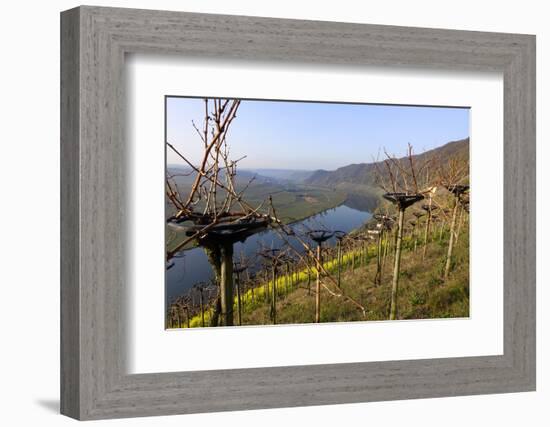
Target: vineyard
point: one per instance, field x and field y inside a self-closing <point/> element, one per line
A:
<point x="423" y="294"/>
<point x="409" y="261"/>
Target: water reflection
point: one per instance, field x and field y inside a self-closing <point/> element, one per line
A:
<point x="192" y="266"/>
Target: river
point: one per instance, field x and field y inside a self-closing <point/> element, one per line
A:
<point x="191" y="266"/>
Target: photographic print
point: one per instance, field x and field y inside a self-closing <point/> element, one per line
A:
<point x="298" y="212"/>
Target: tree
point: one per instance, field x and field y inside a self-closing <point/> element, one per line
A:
<point x="215" y="213"/>
<point x="403" y="188"/>
<point x="454" y="177"/>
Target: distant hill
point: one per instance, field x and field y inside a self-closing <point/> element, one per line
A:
<point x="361" y="177"/>
<point x="357" y="181"/>
<point x="294" y="175"/>
<point x="185" y="175"/>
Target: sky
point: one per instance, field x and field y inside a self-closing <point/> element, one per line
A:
<point x="312" y="135"/>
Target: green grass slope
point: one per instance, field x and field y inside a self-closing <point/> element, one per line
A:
<point x="422" y="292"/>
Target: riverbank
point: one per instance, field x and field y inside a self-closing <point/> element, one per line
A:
<point x="293" y="205"/>
<point x="192" y="266"/>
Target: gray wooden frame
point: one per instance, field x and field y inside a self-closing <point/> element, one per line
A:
<point x="94" y="41"/>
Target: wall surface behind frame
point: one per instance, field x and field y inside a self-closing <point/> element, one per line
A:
<point x="29" y="218"/>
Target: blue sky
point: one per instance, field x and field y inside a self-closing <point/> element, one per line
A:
<point x="309" y="135"/>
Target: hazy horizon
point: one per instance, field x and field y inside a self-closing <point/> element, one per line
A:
<point x="307" y="136"/>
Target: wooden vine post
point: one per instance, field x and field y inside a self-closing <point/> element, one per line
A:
<point x="383" y="228"/>
<point x="457" y="191"/>
<point x="429" y="208"/>
<point x="378" y="275"/>
<point x="386" y="242"/>
<point x="417" y="215"/>
<point x="276" y="258"/>
<point x="378" y="234"/>
<point x="363" y="252"/>
<point x="465" y="205"/>
<point x="413" y="234"/>
<point x="401" y="201"/>
<point x="319" y="236"/>
<point x="238" y="268"/>
<point x="340" y="235"/>
<point x="186" y="308"/>
<point x="445" y="212"/>
<point x="200" y="288"/>
<point x="226" y="283"/>
<point x="250" y="280"/>
<point x="435" y="219"/>
<point x="465" y="209"/>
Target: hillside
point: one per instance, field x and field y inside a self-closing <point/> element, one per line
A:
<point x="360" y="178"/>
<point x="423" y="293"/>
<point x="186" y="176"/>
<point x="284" y="175"/>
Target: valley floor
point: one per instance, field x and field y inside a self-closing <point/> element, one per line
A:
<point x="293" y="204"/>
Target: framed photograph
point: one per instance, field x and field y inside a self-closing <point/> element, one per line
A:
<point x="278" y="213"/>
<point x="311" y="242"/>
